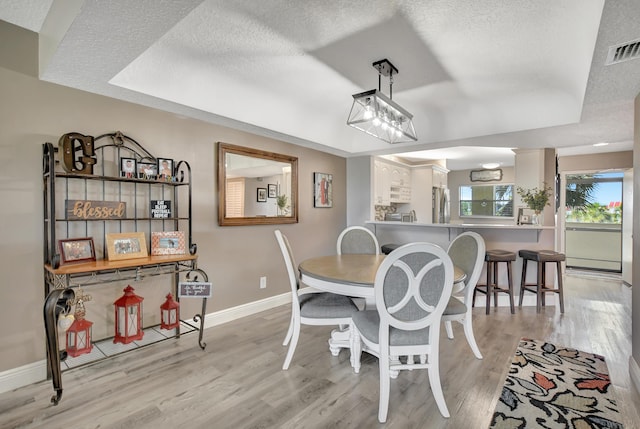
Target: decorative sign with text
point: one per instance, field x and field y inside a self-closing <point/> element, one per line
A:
<point x="89" y="209"/>
<point x="195" y="289"/>
<point x="160" y="209"/>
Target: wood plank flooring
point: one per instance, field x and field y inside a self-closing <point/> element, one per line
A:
<point x="237" y="382"/>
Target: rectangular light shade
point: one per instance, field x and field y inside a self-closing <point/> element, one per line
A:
<point x="379" y="116"/>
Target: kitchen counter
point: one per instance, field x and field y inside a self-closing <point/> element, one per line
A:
<point x="496" y="236"/>
<point x="462" y="225"/>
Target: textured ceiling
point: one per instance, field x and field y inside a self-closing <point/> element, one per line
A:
<point x="487" y="73"/>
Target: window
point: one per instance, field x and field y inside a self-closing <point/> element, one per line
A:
<point x="486" y="200"/>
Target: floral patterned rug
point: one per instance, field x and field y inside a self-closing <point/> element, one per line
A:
<point x="550" y="386"/>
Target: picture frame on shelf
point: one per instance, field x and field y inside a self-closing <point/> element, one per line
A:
<point x="168" y="243"/>
<point x="524" y="216"/>
<point x="272" y="190"/>
<point x="126" y="245"/>
<point x="261" y="195"/>
<point x="147" y="170"/>
<point x="76" y="250"/>
<point x="165" y="168"/>
<point x="128" y="168"/>
<point x="322" y="190"/>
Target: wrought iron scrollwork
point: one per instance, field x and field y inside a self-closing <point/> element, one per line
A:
<point x="194" y="275"/>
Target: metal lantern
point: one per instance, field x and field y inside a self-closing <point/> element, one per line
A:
<point x="169" y="313"/>
<point x="79" y="335"/>
<point x="128" y="317"/>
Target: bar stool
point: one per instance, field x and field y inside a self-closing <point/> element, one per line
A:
<point x="493" y="258"/>
<point x="388" y="248"/>
<point x="541" y="257"/>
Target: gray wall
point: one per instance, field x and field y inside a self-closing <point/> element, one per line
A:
<point x="33" y="112"/>
<point x="635" y="305"/>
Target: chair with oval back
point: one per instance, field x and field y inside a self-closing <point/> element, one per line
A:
<point x="412" y="288"/>
<point x="357" y="239"/>
<point x="318" y="309"/>
<point x="467" y="253"/>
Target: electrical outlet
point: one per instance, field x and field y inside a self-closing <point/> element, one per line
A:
<point x="263" y="282"/>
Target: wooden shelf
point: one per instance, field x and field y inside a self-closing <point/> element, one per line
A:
<point x="106" y="265"/>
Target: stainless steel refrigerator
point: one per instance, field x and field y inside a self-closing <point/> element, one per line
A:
<point x="441" y="205"/>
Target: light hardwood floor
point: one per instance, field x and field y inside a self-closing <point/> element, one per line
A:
<point x="238" y="382"/>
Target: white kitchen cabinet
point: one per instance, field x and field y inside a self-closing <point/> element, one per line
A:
<point x="382" y="183"/>
<point x="392" y="183"/>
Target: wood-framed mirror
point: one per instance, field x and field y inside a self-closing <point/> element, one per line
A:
<point x="256" y="187"/>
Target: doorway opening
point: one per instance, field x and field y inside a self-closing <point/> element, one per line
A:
<point x="593" y="221"/>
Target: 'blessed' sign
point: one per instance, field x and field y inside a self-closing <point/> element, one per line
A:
<point x="88" y="209"/>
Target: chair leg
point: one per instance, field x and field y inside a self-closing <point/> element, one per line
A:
<point x="385" y="385"/>
<point x="539" y="294"/>
<point x="510" y="280"/>
<point x="356" y="349"/>
<point x="449" y="329"/>
<point x="488" y="306"/>
<point x="494" y="286"/>
<point x="523" y="279"/>
<point x="289" y="332"/>
<point x="560" y="289"/>
<point x="292" y="345"/>
<point x="471" y="339"/>
<point x="434" y="381"/>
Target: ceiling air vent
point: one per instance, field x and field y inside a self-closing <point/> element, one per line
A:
<point x="623" y="52"/>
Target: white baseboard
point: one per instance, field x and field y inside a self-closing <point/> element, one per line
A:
<point x="37" y="371"/>
<point x="634" y="372"/>
<point x="23" y="376"/>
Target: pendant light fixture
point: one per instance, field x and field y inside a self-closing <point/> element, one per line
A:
<point x="378" y="115"/>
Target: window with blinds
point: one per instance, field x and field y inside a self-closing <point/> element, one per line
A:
<point x="235" y="197"/>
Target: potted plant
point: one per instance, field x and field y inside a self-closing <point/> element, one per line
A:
<point x="536" y="198"/>
<point x="281" y="201"/>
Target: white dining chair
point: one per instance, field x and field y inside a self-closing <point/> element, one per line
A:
<point x="357" y="239"/>
<point x="467" y="253"/>
<point x="412" y="288"/>
<point x="318" y="309"/>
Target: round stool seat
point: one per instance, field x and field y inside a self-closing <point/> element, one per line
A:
<point x="542" y="255"/>
<point x="499" y="255"/>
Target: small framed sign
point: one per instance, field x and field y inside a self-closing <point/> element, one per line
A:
<point x="195" y="289"/>
<point x="486" y="175"/>
<point x="160" y="209"/>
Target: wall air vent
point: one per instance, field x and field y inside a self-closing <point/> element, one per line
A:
<point x="623" y="52"/>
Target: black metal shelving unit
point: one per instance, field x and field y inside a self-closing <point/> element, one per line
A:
<point x="102" y="181"/>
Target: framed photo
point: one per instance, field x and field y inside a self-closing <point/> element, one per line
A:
<point x="126" y="245"/>
<point x="76" y="250"/>
<point x="262" y="195"/>
<point x="165" y="168"/>
<point x="168" y="243"/>
<point x="322" y="190"/>
<point x="147" y="170"/>
<point x="273" y="190"/>
<point x="524" y="216"/>
<point x="128" y="168"/>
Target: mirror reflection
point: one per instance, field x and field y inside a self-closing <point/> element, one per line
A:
<point x="256" y="187"/>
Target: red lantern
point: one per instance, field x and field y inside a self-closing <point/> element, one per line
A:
<point x="169" y="313"/>
<point x="79" y="336"/>
<point x="128" y="317"/>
